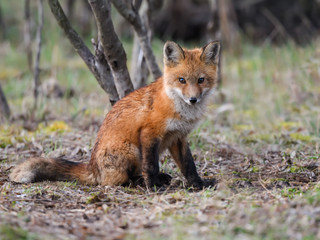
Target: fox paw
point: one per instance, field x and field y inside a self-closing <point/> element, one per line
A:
<point x="210" y="183"/>
<point x="158" y="181"/>
<point x="201" y="184"/>
<point x="164" y="179"/>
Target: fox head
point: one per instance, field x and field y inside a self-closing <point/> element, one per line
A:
<point x="190" y="74"/>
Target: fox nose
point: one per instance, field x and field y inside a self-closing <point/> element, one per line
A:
<point x="193" y="100"/>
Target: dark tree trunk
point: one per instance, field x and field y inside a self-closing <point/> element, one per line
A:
<point x="113" y="49"/>
<point x="228" y="23"/>
<point x="2" y="25"/>
<point x="27" y="34"/>
<point x="96" y="63"/>
<point x="4" y="107"/>
<point x="213" y="27"/>
<point x="38" y="53"/>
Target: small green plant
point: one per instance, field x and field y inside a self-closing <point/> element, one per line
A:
<point x="13" y="233"/>
<point x="291" y="192"/>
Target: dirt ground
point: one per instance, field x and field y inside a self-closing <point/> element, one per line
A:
<point x="263" y="184"/>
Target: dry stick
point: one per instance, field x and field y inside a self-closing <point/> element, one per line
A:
<point x="267" y="190"/>
<point x="113" y="49"/>
<point x="132" y="16"/>
<point x="96" y="64"/>
<point x="278" y="25"/>
<point x="4" y="208"/>
<point x="38" y="52"/>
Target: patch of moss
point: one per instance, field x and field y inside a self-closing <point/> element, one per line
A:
<point x="300" y="137"/>
<point x="287" y="125"/>
<point x="56" y="126"/>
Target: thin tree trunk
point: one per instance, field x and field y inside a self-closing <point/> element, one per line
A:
<point x="105" y="72"/>
<point x="27" y="34"/>
<point x="113" y="49"/>
<point x="38" y="53"/>
<point x="228" y="24"/>
<point x="96" y="64"/>
<point x="2" y="25"/>
<point x="213" y="27"/>
<point x="70" y="9"/>
<point x="4" y="107"/>
<point x="139" y="68"/>
<point x="132" y="16"/>
<point x="214" y="32"/>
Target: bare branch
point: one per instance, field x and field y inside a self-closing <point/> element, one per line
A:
<point x="96" y="65"/>
<point x="131" y="15"/>
<point x="72" y="35"/>
<point x="105" y="73"/>
<point x="38" y="52"/>
<point x="113" y="49"/>
<point x="278" y="25"/>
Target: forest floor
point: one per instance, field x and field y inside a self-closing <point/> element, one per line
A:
<point x="259" y="140"/>
<point x="272" y="194"/>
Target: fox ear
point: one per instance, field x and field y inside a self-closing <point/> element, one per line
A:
<point x="210" y="52"/>
<point x="172" y="53"/>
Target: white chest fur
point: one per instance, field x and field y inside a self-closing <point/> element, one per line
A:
<point x="175" y="129"/>
<point x="181" y="125"/>
<point x="187" y="118"/>
<point x="189" y="115"/>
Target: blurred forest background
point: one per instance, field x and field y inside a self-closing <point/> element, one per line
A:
<point x="61" y="73"/>
<point x="190" y="22"/>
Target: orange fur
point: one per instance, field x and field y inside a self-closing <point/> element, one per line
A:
<point x="142" y="125"/>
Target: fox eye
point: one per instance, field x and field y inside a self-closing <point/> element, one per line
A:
<point x="201" y="80"/>
<point x="182" y="80"/>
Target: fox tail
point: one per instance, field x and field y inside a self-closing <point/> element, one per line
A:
<point x="41" y="169"/>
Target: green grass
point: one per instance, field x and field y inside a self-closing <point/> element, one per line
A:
<point x="16" y="233"/>
<point x="274" y="92"/>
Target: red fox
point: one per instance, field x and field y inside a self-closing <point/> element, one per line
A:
<point x="142" y="125"/>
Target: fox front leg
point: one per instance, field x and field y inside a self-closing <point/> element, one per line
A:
<point x="181" y="153"/>
<point x="149" y="150"/>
